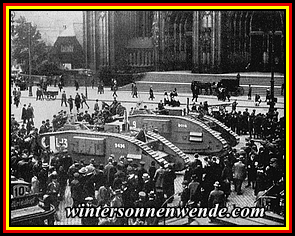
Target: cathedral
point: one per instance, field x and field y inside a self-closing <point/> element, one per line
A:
<point x="216" y="41"/>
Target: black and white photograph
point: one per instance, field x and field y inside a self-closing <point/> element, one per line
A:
<point x="148" y="117"/>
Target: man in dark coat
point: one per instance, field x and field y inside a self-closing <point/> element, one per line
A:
<point x="195" y="191"/>
<point x="77" y="101"/>
<point x="216" y="196"/>
<point x="64" y="99"/>
<point x="239" y="174"/>
<point x="24" y="116"/>
<point x="76" y="190"/>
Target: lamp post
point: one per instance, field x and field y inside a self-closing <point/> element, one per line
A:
<point x="30" y="66"/>
<point x="272" y="100"/>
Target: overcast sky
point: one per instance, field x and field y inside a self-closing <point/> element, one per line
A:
<point x="50" y="23"/>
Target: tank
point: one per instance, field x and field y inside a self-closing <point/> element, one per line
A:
<point x="114" y="138"/>
<point x="225" y="132"/>
<point x="27" y="208"/>
<point x="191" y="135"/>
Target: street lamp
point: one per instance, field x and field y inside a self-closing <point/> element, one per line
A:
<point x="272" y="100"/>
<point x="30" y="66"/>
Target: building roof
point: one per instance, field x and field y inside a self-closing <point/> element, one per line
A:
<point x="68" y="32"/>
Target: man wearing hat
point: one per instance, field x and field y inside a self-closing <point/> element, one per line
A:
<point x="110" y="170"/>
<point x="216" y="196"/>
<point x="53" y="189"/>
<point x="140" y="172"/>
<point x="239" y="174"/>
<point x="148" y="183"/>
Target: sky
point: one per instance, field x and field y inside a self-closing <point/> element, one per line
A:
<point x="51" y="23"/>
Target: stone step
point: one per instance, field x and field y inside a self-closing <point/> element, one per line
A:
<point x="188" y="77"/>
<point x="144" y="86"/>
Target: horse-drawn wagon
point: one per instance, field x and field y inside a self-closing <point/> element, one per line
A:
<point x="232" y="86"/>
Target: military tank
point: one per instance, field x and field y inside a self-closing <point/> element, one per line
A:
<point x="225" y="132"/>
<point x="188" y="133"/>
<point x="85" y="142"/>
<point x="28" y="208"/>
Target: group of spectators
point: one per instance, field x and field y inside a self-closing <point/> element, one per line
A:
<point x="256" y="125"/>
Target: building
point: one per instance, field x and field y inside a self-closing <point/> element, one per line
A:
<point x="197" y="41"/>
<point x="67" y="49"/>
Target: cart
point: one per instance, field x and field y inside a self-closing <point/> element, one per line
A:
<point x="232" y="86"/>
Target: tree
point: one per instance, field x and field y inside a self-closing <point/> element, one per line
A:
<point x="27" y="38"/>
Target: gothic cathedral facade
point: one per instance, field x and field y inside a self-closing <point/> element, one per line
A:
<point x="197" y="41"/>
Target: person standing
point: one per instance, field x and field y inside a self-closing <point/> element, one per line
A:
<point x="84" y="101"/>
<point x="239" y="174"/>
<point x="77" y="102"/>
<point x="96" y="106"/>
<point x="24" y="115"/>
<point x="30" y="113"/>
<point x="152" y="97"/>
<point x="76" y="85"/>
<point x="234" y="105"/>
<point x="134" y="90"/>
<point x="249" y="92"/>
<point x="159" y="181"/>
<point x="100" y="87"/>
<point x="64" y="99"/>
<point x="71" y="103"/>
<point x="216" y="197"/>
<point x="60" y="86"/>
<point x="92" y="82"/>
<point x="17" y="98"/>
<point x="115" y="88"/>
